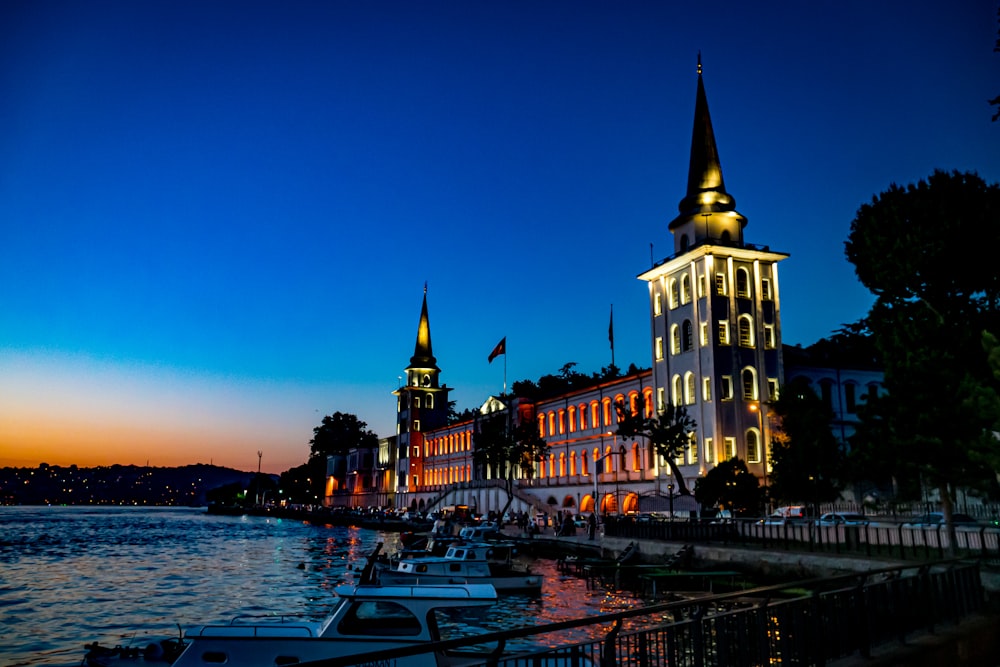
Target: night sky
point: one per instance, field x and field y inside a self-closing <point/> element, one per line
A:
<point x="217" y="218"/>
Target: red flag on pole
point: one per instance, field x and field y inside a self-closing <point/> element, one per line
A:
<point x="501" y="348"/>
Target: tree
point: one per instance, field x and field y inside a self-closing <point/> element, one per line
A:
<point x="500" y="449"/>
<point x="669" y="433"/>
<point x="926" y="252"/>
<point x="336" y="435"/>
<point x="731" y="485"/>
<point x="808" y="464"/>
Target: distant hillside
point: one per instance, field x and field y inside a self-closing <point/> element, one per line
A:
<point x="115" y="485"/>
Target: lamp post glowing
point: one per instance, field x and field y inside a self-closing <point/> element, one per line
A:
<point x="756" y="408"/>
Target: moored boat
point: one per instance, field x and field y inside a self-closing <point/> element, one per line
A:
<point x="466" y="563"/>
<point x="368" y="617"/>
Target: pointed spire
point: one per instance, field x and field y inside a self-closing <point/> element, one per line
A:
<point x="423" y="357"/>
<point x="706" y="191"/>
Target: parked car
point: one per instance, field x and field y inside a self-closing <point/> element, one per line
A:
<point x="787" y="514"/>
<point x="842" y="519"/>
<point x="937" y="519"/>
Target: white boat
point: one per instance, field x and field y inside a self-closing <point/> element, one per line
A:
<point x="486" y="563"/>
<point x="368" y="618"/>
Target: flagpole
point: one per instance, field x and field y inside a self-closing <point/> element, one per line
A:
<point x="611" y="334"/>
<point x="505" y="369"/>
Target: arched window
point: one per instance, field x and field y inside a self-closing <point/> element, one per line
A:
<point x="753" y="446"/>
<point x="677" y="391"/>
<point x="742" y="283"/>
<point x="562" y="464"/>
<point x="685" y="288"/>
<point x="541" y="426"/>
<point x="675" y="339"/>
<point x="745" y="325"/>
<point x="674" y="293"/>
<point x="583" y="416"/>
<point x="572" y="463"/>
<point x="749" y="377"/>
<point x="687" y="336"/>
<point x="584" y="468"/>
<point x="689" y="388"/>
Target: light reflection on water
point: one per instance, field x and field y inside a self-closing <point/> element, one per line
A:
<point x="72" y="575"/>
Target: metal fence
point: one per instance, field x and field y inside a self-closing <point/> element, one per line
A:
<point x="837" y="617"/>
<point x="891" y="540"/>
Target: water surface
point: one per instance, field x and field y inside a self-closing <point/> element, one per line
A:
<point x="72" y="575"/>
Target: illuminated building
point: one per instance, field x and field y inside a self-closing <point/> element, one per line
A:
<point x="715" y="316"/>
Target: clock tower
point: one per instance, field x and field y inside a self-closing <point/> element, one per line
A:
<point x="421" y="405"/>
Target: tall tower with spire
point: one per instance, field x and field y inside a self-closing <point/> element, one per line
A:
<point x="715" y="317"/>
<point x="421" y="405"/>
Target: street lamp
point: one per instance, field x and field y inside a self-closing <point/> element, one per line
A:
<point x="670" y="490"/>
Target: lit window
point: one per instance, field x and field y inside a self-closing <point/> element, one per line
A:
<point x="689" y="388"/>
<point x="701" y="285"/>
<point x="769" y="336"/>
<point x="772" y="389"/>
<point x="706" y="389"/>
<point x="659" y="347"/>
<point x="416" y="401"/>
<point x="677" y="393"/>
<point x="720" y="283"/>
<point x="562" y="422"/>
<point x="723" y="332"/>
<point x="709" y="454"/>
<point x="541" y="426"/>
<point x="742" y="283"/>
<point x="552" y="423"/>
<point x="749" y="377"/>
<point x="687" y="336"/>
<point x="416" y="424"/>
<point x="730" y="448"/>
<point x="685" y="288"/>
<point x="675" y="339"/>
<point x="745" y="325"/>
<point x="703" y="332"/>
<point x="673" y="297"/>
<point x="753" y="446"/>
<point x="765" y="289"/>
<point x="726" y="388"/>
<point x="657" y="304"/>
<point x="660" y="403"/>
<point x="572" y="420"/>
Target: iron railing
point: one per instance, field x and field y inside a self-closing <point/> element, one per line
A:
<point x="837" y="617"/>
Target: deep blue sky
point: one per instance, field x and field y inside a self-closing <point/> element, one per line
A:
<point x="217" y="218"/>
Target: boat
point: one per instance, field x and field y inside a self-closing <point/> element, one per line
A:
<point x="466" y="563"/>
<point x="368" y="617"/>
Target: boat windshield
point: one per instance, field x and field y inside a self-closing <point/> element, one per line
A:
<point x="383" y="618"/>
